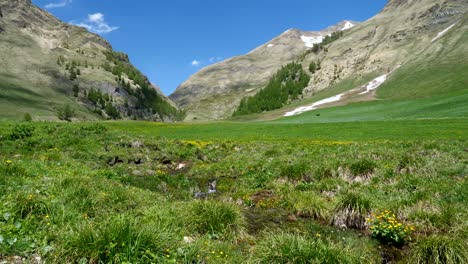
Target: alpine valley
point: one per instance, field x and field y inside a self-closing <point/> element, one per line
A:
<point x="347" y="145"/>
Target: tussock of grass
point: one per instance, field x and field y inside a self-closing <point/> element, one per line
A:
<point x="309" y="204"/>
<point x="362" y="168"/>
<point x="290" y="248"/>
<point x="439" y="249"/>
<point x="351" y="211"/>
<point x="122" y="239"/>
<point x="216" y="218"/>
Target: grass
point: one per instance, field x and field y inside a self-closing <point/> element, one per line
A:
<point x="449" y="105"/>
<point x="290" y="248"/>
<point x="116" y="192"/>
<point x="443" y="129"/>
<point x="439" y="249"/>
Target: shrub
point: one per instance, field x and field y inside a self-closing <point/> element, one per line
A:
<point x="386" y="228"/>
<point x="65" y="113"/>
<point x="111" y="111"/>
<point x="290" y="248"/>
<point x="312" y="67"/>
<point x="363" y="167"/>
<point x="76" y="90"/>
<point x="351" y="211"/>
<point x="21" y="131"/>
<point x="438" y="249"/>
<point x="216" y="218"/>
<point x="27" y="117"/>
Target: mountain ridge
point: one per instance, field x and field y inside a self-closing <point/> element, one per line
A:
<point x="258" y="62"/>
<point x="392" y="37"/>
<point x="38" y="54"/>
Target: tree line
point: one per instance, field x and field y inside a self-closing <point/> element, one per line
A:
<point x="286" y="85"/>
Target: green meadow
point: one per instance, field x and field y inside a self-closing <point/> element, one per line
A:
<point x="276" y="192"/>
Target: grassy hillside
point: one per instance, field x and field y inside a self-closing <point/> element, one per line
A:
<point x="440" y="68"/>
<point x="450" y="105"/>
<point x="138" y="192"/>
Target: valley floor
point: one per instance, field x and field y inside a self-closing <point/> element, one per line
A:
<point x="277" y="192"/>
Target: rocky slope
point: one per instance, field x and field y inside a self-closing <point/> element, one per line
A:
<point x="45" y="64"/>
<point x="401" y="33"/>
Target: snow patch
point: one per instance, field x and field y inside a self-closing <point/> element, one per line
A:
<point x="313" y="106"/>
<point x="374" y="84"/>
<point x="270" y="45"/>
<point x="440" y="34"/>
<point x="310" y="41"/>
<point x="347" y="25"/>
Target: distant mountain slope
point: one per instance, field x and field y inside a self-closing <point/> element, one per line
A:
<point x="407" y="33"/>
<point x="216" y="90"/>
<point x="46" y="64"/>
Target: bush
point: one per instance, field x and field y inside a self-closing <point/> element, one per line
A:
<point x="66" y="113"/>
<point x="312" y="67"/>
<point x="216" y="218"/>
<point x="76" y="90"/>
<point x="351" y="211"/>
<point x="21" y="131"/>
<point x="290" y="248"/>
<point x="438" y="249"/>
<point x="111" y="111"/>
<point x="27" y="117"/>
<point x="386" y="228"/>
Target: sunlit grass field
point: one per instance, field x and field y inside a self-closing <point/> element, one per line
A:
<point x="140" y="192"/>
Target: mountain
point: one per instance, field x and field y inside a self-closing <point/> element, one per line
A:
<point x="216" y="90"/>
<point x="46" y="64"/>
<point x="406" y="37"/>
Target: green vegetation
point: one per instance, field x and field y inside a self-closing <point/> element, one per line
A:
<point x="313" y="67"/>
<point x="147" y="96"/>
<point x="287" y="84"/>
<point x="328" y="39"/>
<point x="65" y="112"/>
<point x="27" y="117"/>
<point x="76" y="90"/>
<point x="388" y="229"/>
<point x="438" y="249"/>
<point x="138" y="192"/>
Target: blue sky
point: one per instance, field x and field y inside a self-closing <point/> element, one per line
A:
<point x="169" y="40"/>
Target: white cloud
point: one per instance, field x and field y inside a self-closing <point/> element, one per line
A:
<point x="96" y="18"/>
<point x="97" y="24"/>
<point x="215" y="59"/>
<point x="196" y="63"/>
<point x="62" y="3"/>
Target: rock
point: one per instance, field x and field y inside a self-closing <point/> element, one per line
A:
<point x="188" y="240"/>
<point x="137" y="144"/>
<point x="114" y="161"/>
<point x="212" y="187"/>
<point x="292" y="218"/>
<point x="180" y="166"/>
